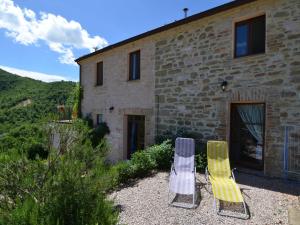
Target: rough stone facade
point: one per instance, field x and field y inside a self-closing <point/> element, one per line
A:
<point x="181" y="72"/>
<point x="191" y="62"/>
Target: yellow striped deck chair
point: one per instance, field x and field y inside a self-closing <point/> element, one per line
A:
<point x="218" y="171"/>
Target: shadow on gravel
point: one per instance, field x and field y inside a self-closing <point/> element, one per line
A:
<point x="269" y="183"/>
<point x="132" y="182"/>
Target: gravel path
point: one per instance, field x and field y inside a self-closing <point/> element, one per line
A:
<point x="146" y="202"/>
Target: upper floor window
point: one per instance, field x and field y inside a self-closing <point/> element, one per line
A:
<point x="134" y="65"/>
<point x="99" y="78"/>
<point x="250" y="36"/>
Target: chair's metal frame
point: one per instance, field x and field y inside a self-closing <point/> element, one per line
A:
<point x="218" y="211"/>
<point x="186" y="205"/>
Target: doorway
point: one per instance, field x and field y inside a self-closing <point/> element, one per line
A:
<point x="135" y="134"/>
<point x="247" y="129"/>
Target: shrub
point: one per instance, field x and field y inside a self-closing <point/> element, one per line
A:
<point x="25" y="213"/>
<point x="21" y="137"/>
<point x="98" y="133"/>
<point x="106" y="176"/>
<point x="200" y="148"/>
<point x="37" y="150"/>
<point x="89" y="120"/>
<point x="7" y="142"/>
<point x="201" y="161"/>
<point x="67" y="189"/>
<point x="142" y="163"/>
<point x="162" y="155"/>
<point x="67" y="199"/>
<point x="124" y="171"/>
<point x="72" y="198"/>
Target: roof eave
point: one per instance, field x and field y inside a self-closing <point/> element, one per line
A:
<point x="189" y="19"/>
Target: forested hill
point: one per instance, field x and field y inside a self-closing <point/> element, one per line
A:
<point x="24" y="100"/>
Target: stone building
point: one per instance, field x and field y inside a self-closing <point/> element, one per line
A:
<point x="230" y="73"/>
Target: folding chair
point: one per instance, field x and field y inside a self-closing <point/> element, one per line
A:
<point x="222" y="179"/>
<point x="182" y="176"/>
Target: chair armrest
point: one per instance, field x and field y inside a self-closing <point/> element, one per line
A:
<point x="194" y="171"/>
<point x="232" y="174"/>
<point x="206" y="174"/>
<point x="173" y="169"/>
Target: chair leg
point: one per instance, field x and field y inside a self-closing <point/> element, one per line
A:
<point x="195" y="193"/>
<point x="193" y="199"/>
<point x="245" y="208"/>
<point x="215" y="205"/>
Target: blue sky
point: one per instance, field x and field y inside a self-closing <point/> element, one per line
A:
<point x="45" y="36"/>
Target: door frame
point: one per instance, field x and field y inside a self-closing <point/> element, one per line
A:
<point x="128" y="153"/>
<point x="231" y="104"/>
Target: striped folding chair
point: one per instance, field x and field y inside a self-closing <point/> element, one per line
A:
<point x="222" y="179"/>
<point x="183" y="170"/>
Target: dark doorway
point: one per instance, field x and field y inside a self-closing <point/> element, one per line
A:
<point x="135" y="134"/>
<point x="247" y="128"/>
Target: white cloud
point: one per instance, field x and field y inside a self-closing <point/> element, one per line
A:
<point x="62" y="36"/>
<point x="34" y="75"/>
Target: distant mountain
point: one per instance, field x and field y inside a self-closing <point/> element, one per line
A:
<point x="24" y="100"/>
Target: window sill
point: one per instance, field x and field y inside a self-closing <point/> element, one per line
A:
<point x="134" y="80"/>
<point x="248" y="56"/>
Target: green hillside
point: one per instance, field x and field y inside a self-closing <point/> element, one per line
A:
<point x="26" y="101"/>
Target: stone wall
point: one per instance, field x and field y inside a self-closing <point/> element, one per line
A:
<point x="181" y="72"/>
<point x="127" y="97"/>
<point x="192" y="60"/>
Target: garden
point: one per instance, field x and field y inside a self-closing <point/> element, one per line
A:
<point x="41" y="184"/>
<point x="74" y="184"/>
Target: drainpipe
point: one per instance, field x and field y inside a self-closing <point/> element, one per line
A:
<point x="79" y="113"/>
<point x="157" y="114"/>
<point x="285" y="152"/>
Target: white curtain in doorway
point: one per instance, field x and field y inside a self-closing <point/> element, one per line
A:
<point x="253" y="117"/>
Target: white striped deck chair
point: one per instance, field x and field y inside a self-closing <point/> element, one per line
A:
<point x="182" y="176"/>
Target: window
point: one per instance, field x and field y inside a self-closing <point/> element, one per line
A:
<point x="134" y="65"/>
<point x="99" y="118"/>
<point x="250" y="37"/>
<point x="99" y="80"/>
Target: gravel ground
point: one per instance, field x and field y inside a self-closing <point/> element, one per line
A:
<point x="146" y="202"/>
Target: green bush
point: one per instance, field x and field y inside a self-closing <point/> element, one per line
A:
<point x="37" y="150"/>
<point x="98" y="133"/>
<point x="200" y="148"/>
<point x="142" y="163"/>
<point x="25" y="213"/>
<point x="201" y="161"/>
<point x="67" y="198"/>
<point x="125" y="171"/>
<point x="72" y="198"/>
<point x="22" y="137"/>
<point x="69" y="188"/>
<point x="106" y="176"/>
<point x="162" y="155"/>
<point x="89" y="120"/>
